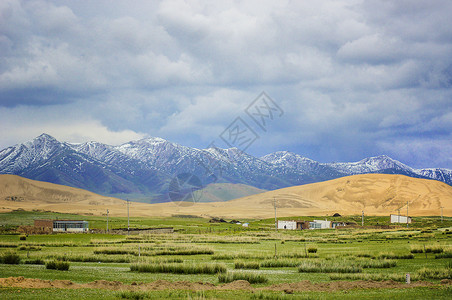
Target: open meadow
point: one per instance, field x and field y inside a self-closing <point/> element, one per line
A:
<point x="204" y="260"/>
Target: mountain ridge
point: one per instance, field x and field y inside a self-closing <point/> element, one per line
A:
<point x="146" y="167"/>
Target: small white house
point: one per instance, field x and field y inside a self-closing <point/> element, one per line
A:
<point x="400" y="219"/>
<point x="320" y="224"/>
<point x="291" y="225"/>
<point x="70" y="226"/>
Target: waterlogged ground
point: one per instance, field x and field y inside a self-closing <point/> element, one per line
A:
<point x="352" y="263"/>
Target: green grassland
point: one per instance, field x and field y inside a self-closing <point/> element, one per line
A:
<point x="200" y="251"/>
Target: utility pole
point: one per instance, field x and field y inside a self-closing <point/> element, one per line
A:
<point x="442" y="213"/>
<point x="276" y="222"/>
<point x="407" y="214"/>
<point x="362" y="218"/>
<point x="128" y="217"/>
<point x="398" y="216"/>
<point x="107" y="220"/>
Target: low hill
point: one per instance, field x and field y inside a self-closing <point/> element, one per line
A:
<point x="219" y="192"/>
<point x="376" y="194"/>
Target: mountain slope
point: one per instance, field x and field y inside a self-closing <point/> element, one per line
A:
<point x="46" y="159"/>
<point x="375" y="194"/>
<point x="143" y="169"/>
<point x="31" y="194"/>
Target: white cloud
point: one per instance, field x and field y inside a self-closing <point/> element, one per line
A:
<point x="21" y="124"/>
<point x="350" y="75"/>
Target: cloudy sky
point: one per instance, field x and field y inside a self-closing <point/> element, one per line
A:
<point x="353" y="79"/>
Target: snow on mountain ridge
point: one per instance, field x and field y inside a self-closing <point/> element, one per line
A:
<point x="159" y="160"/>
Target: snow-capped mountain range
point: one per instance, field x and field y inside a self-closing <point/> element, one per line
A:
<point x="146" y="167"/>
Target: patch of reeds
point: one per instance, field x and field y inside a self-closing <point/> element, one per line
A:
<point x="35" y="261"/>
<point x="115" y="251"/>
<point x="395" y="256"/>
<point x="29" y="248"/>
<point x="376" y="263"/>
<point x="57" y="265"/>
<point x="343" y="266"/>
<point x="91" y="258"/>
<point x="368" y="276"/>
<point x="246" y="265"/>
<point x="8" y="245"/>
<point x="240" y="255"/>
<point x="434" y="273"/>
<point x="427" y="249"/>
<point x="165" y="260"/>
<point x="185" y="251"/>
<point x="447" y="254"/>
<point x="250" y="277"/>
<point x="279" y="263"/>
<point x="312" y="249"/>
<point x="135" y="295"/>
<point x="179" y="268"/>
<point x="10" y="258"/>
<point x="297" y="255"/>
<point x="363" y="254"/>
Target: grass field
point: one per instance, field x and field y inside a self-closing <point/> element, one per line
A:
<point x="202" y="260"/>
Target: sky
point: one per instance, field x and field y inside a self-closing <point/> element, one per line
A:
<point x="343" y="80"/>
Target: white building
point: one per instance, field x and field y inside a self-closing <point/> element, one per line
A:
<point x="291" y="225"/>
<point x="70" y="226"/>
<point x="400" y="219"/>
<point x="320" y="224"/>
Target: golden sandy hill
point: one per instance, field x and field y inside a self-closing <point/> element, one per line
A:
<point x="376" y="194"/>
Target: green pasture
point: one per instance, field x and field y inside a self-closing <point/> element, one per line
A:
<point x="370" y="253"/>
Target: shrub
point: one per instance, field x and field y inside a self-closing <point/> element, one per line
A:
<point x="57" y="265"/>
<point x="179" y="268"/>
<point x="312" y="249"/>
<point x="250" y="277"/>
<point x="10" y="258"/>
<point x="246" y="265"/>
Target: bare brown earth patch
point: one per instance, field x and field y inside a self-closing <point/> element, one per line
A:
<point x="301" y="286"/>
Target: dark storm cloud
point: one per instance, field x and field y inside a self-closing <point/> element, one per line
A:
<point x="355" y="78"/>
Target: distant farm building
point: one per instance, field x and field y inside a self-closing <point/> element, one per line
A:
<point x="325" y="224"/>
<point x="63" y="225"/>
<point x="320" y="224"/>
<point x="400" y="219"/>
<point x="293" y="225"/>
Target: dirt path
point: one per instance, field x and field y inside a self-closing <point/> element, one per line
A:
<point x="305" y="285"/>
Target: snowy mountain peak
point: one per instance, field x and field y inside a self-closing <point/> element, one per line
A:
<point x="284" y="157"/>
<point x="147" y="165"/>
<point x="43" y="139"/>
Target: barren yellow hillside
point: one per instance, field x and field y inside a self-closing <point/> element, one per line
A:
<point x="376" y="194"/>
